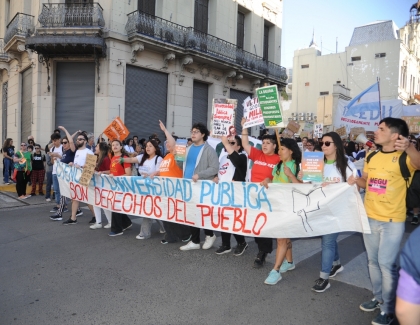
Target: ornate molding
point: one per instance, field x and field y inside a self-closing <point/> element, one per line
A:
<point x="136" y="47"/>
<point x="204" y="70"/>
<point x="216" y="77"/>
<point x="238" y="77"/>
<point x="186" y="60"/>
<point x="166" y="58"/>
<point x="15" y="56"/>
<point x="228" y="74"/>
<point x="254" y="83"/>
<point x="5" y="66"/>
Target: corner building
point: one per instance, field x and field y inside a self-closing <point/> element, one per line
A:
<point x="80" y="63"/>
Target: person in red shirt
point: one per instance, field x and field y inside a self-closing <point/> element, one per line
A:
<point x="264" y="162"/>
<point x="120" y="221"/>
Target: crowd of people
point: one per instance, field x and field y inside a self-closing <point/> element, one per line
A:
<point x="274" y="163"/>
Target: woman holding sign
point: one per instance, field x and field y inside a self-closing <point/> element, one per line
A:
<point x="337" y="169"/>
<point x="286" y="171"/>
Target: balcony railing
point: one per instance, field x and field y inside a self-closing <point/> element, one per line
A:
<point x="71" y="15"/>
<point x="190" y="39"/>
<point x="3" y="54"/>
<point x="21" y="24"/>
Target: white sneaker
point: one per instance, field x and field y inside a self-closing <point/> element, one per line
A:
<point x="190" y="246"/>
<point x="208" y="243"/>
<point x="108" y="226"/>
<point x="48" y="200"/>
<point x="96" y="226"/>
<point x="162" y="231"/>
<point x="139" y="237"/>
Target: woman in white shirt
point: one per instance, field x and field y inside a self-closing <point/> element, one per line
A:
<point x="129" y="148"/>
<point x="337" y="169"/>
<point x="149" y="164"/>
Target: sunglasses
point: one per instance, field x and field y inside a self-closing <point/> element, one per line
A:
<point x="232" y="143"/>
<point x="23" y="144"/>
<point x="327" y="143"/>
<point x="81" y="139"/>
<point x="64" y="142"/>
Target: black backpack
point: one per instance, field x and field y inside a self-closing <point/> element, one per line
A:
<point x="413" y="189"/>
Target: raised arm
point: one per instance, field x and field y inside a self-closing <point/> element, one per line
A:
<point x="69" y="138"/>
<point x="169" y="138"/>
<point x="245" y="140"/>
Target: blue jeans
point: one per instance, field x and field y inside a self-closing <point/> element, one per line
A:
<point x="329" y="254"/>
<point x="49" y="183"/>
<point x="56" y="187"/>
<point x="382" y="248"/>
<point x="6" y="167"/>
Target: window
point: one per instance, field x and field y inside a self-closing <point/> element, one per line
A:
<point x="380" y="55"/>
<point x="356" y="58"/>
<point x="338" y="82"/>
<point x="323" y="93"/>
<point x="304" y="66"/>
<point x="147" y="6"/>
<point x="265" y="48"/>
<point x="201" y="15"/>
<point x="240" y="30"/>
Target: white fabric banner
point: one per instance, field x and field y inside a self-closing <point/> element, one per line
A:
<point x="282" y="211"/>
<point x="369" y="120"/>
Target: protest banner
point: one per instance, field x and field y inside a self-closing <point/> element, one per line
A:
<point x="116" y="130"/>
<point x="342" y="132"/>
<point x="354" y="132"/>
<point x="180" y="149"/>
<point x="318" y="130"/>
<point x="268" y="98"/>
<point x="313" y="166"/>
<point x="223" y="117"/>
<point x="413" y="123"/>
<point x="235" y="207"/>
<point x="252" y="112"/>
<point x="88" y="169"/>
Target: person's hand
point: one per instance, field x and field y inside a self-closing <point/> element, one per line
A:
<point x="402" y="143"/>
<point x="265" y="182"/>
<point x="195" y="178"/>
<point x="300" y="175"/>
<point x="287" y="171"/>
<point x="162" y="126"/>
<point x="61" y="128"/>
<point x="351" y="180"/>
<point x="71" y="164"/>
<point x="243" y="121"/>
<point x="216" y="180"/>
<point x="324" y="184"/>
<point x="224" y="139"/>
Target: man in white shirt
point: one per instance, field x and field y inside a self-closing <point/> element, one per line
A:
<point x="57" y="148"/>
<point x="79" y="162"/>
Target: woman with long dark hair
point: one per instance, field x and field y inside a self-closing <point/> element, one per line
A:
<point x="149" y="164"/>
<point x="103" y="165"/>
<point x="337" y="169"/>
<point x="286" y="171"/>
<point x="8" y="153"/>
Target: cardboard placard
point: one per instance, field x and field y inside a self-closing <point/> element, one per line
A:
<point x="304" y="134"/>
<point x="88" y="169"/>
<point x="370" y="135"/>
<point x="293" y="126"/>
<point x="116" y="130"/>
<point x="354" y="132"/>
<point x="342" y="132"/>
<point x="287" y="134"/>
<point x="413" y="123"/>
<point x="223" y="117"/>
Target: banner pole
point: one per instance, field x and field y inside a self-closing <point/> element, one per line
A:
<point x="278" y="138"/>
<point x="379" y="92"/>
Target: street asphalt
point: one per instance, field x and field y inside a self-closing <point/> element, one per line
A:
<point x="56" y="274"/>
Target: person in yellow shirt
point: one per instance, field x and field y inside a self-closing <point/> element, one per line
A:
<point x="386" y="209"/>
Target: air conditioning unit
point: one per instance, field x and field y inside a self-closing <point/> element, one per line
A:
<point x="290" y="118"/>
<point x="293" y="114"/>
<point x="308" y="114"/>
<point x="315" y="117"/>
<point x="309" y="118"/>
<point x="302" y="118"/>
<point x="294" y="118"/>
<point x="301" y="114"/>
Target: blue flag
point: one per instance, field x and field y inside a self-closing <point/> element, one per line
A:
<point x="367" y="100"/>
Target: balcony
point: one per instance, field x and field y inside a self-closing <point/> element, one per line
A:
<point x="69" y="30"/>
<point x="19" y="28"/>
<point x="4" y="57"/>
<point x="187" y="40"/>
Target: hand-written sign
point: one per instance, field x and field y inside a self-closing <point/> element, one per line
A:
<point x="252" y="112"/>
<point x="88" y="169"/>
<point x="413" y="123"/>
<point x="223" y="117"/>
<point x="342" y="132"/>
<point x="236" y="207"/>
<point x="116" y="130"/>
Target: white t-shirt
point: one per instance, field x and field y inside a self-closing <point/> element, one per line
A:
<point x="149" y="165"/>
<point x="129" y="149"/>
<point x="80" y="156"/>
<point x="332" y="174"/>
<point x="60" y="151"/>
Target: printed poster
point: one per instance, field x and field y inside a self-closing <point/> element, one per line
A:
<point x="318" y="130"/>
<point x="268" y="98"/>
<point x="116" y="130"/>
<point x="252" y="112"/>
<point x="313" y="166"/>
<point x="180" y="149"/>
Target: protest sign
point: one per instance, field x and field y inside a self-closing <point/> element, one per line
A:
<point x="318" y="130"/>
<point x="252" y="112"/>
<point x="308" y="127"/>
<point x="313" y="166"/>
<point x="235" y="207"/>
<point x="354" y="132"/>
<point x="342" y="132"/>
<point x="88" y="169"/>
<point x="287" y="134"/>
<point x="293" y="126"/>
<point x="223" y="118"/>
<point x="300" y="145"/>
<point x="180" y="149"/>
<point x="116" y="130"/>
<point x="413" y="123"/>
<point x="268" y="98"/>
<point x="304" y="134"/>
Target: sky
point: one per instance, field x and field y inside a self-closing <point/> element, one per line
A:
<point x="331" y="19"/>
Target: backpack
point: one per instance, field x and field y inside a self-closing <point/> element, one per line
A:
<point x="413" y="189"/>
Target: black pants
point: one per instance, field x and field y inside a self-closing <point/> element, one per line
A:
<point x="119" y="222"/>
<point x="226" y="238"/>
<point x="195" y="234"/>
<point x="265" y="244"/>
<point x="175" y="231"/>
<point x="21" y="183"/>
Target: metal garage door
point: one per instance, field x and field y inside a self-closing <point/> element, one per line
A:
<point x="240" y="96"/>
<point x="26" y="105"/>
<point x="145" y="101"/>
<point x="200" y="102"/>
<point x="4" y="112"/>
<point x="75" y="96"/>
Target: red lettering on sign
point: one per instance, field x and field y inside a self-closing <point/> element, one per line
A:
<point x="130" y="205"/>
<point x="261" y="215"/>
<point x="157" y="210"/>
<point x="115" y="194"/>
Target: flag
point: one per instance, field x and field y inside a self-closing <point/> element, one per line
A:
<point x="367" y="100"/>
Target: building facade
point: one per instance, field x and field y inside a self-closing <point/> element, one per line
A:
<point x="80" y="63"/>
<point x="377" y="50"/>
